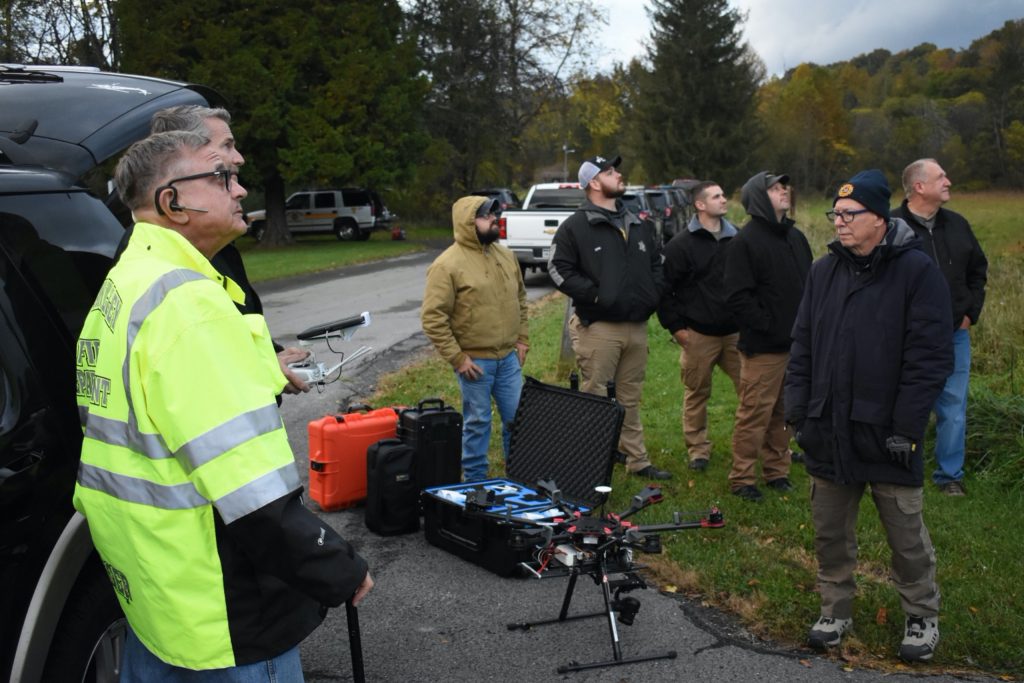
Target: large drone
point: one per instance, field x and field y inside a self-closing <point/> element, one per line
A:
<point x="595" y="544"/>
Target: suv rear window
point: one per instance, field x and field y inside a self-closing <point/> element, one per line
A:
<point x="356" y="197"/>
<point x="569" y="198"/>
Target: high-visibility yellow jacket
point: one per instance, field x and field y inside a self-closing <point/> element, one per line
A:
<point x="186" y="478"/>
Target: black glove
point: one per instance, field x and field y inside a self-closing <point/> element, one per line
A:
<point x="901" y="450"/>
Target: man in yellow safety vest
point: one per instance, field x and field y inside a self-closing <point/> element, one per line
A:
<point x="189" y="486"/>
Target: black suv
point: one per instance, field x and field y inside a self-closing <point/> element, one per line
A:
<point x="59" y="620"/>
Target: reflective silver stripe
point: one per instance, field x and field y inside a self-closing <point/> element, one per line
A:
<point x="135" y="490"/>
<point x="119" y="433"/>
<point x="228" y="435"/>
<point x="145" y="305"/>
<point x="258" y="493"/>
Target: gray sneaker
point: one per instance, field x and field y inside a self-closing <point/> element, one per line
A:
<point x="827" y="632"/>
<point x="920" y="639"/>
<point x="953" y="488"/>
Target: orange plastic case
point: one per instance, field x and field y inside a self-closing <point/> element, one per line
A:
<point x="337" y="454"/>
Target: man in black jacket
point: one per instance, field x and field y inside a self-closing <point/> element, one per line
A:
<point x="609" y="263"/>
<point x="694" y="311"/>
<point x="948" y="239"/>
<point x="765" y="268"/>
<point x="870" y="354"/>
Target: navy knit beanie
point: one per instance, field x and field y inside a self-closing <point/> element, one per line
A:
<point x="870" y="188"/>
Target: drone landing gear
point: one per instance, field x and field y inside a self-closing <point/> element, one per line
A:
<point x="626" y="607"/>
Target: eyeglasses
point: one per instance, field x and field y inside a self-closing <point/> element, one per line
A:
<point x="223" y="174"/>
<point x="845" y="216"/>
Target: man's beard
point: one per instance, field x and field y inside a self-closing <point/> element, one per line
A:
<point x="489" y="237"/>
<point x="615" y="192"/>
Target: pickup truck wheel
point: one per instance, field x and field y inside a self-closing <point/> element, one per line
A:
<point x="346" y="230"/>
<point x="258" y="229"/>
<point x="90" y="638"/>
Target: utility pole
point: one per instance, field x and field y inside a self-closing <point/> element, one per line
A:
<point x="566" y="151"/>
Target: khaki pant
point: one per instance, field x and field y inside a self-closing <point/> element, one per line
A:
<point x="618" y="352"/>
<point x="760" y="429"/>
<point x="834" y="510"/>
<point x="697" y="361"/>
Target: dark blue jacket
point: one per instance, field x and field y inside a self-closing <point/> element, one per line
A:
<point x="871" y="352"/>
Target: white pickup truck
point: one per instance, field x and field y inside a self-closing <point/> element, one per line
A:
<point x="528" y="232"/>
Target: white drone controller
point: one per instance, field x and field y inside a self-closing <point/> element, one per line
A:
<point x="313" y="372"/>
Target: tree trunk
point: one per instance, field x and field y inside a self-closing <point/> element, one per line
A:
<point x="276" y="232"/>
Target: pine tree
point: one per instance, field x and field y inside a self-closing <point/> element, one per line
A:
<point x="696" y="98"/>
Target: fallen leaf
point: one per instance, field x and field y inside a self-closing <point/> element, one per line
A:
<point x="882" y="616"/>
<point x="974" y="610"/>
<point x="806" y="662"/>
<point x="670" y="589"/>
<point x="753" y="582"/>
<point x="847" y="669"/>
<point x="691" y="483"/>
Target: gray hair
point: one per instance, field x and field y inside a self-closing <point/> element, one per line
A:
<point x="150" y="161"/>
<point x="914" y="172"/>
<point x="190" y="117"/>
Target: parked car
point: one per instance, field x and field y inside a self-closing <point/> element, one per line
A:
<point x="59" y="618"/>
<point x="635" y="199"/>
<point x="348" y="213"/>
<point x="529" y="232"/>
<point x="505" y="196"/>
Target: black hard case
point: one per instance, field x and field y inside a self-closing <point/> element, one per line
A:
<point x="434" y="431"/>
<point x="558" y="435"/>
<point x="392" y="496"/>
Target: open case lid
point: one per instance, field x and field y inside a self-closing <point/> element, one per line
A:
<point x="567" y="437"/>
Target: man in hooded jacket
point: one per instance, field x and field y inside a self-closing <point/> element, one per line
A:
<point x="871" y="352"/>
<point x="609" y="263"/>
<point x="765" y="268"/>
<point x="474" y="313"/>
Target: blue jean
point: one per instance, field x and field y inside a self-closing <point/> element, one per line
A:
<point x="503" y="379"/>
<point x="951" y="414"/>
<point x="139" y="665"/>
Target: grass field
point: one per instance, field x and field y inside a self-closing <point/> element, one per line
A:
<point x="761" y="566"/>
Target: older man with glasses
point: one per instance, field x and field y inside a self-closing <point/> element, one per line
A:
<point x="870" y="354"/>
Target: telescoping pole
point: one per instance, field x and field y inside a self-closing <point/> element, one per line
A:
<point x="355" y="643"/>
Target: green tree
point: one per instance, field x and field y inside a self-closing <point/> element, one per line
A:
<point x="695" y="109"/>
<point x="321" y="93"/>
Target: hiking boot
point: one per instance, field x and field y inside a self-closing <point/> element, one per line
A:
<point x="699" y="464"/>
<point x="953" y="488"/>
<point x="780" y="484"/>
<point x="827" y="632"/>
<point x="751" y="493"/>
<point x="921" y="637"/>
<point x="652" y="472"/>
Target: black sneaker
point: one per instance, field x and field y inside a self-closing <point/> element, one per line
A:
<point x="751" y="493"/>
<point x="953" y="488"/>
<point x="920" y="639"/>
<point x="699" y="464"/>
<point x="652" y="472"/>
<point x="780" y="484"/>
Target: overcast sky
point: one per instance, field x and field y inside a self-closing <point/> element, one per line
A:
<point x="786" y="33"/>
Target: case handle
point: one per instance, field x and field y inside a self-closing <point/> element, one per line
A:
<point x="439" y="402"/>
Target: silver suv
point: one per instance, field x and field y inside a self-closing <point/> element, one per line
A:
<point x="348" y="213"/>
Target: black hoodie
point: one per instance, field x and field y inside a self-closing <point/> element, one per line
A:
<point x="765" y="269"/>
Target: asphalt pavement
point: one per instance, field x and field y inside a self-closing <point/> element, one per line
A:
<point x="434" y="617"/>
